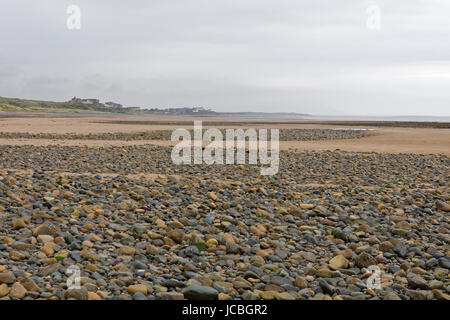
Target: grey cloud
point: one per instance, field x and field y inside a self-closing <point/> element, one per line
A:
<point x="255" y="55"/>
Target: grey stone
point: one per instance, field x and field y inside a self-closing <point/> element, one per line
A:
<point x="196" y="292"/>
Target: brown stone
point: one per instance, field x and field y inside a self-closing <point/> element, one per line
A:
<point x="46" y="228"/>
<point x="176" y="235"/>
<point x="365" y="260"/>
<point x="17" y="291"/>
<point x="212" y="196"/>
<point x="301" y="282"/>
<point x="127" y="250"/>
<point x="386" y="246"/>
<point x="19" y="224"/>
<point x="138" y="288"/>
<point x="94" y="296"/>
<point x="4" y="290"/>
<point x="30" y="285"/>
<point x="338" y="262"/>
<point x="50" y="269"/>
<point x="16" y="256"/>
<point x="7" y="277"/>
<point x="44" y="238"/>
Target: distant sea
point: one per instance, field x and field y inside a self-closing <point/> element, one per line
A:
<point x="382" y="118"/>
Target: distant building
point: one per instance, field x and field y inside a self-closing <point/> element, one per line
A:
<point x="91" y="101"/>
<point x="76" y="100"/>
<point x="113" y="105"/>
<point x="198" y="109"/>
<point x="84" y="101"/>
<point x="182" y="111"/>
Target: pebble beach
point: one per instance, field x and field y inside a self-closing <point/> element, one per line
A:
<point x="139" y="227"/>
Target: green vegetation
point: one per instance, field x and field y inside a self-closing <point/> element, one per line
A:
<point x="339" y="234"/>
<point x="37" y="106"/>
<point x="200" y="245"/>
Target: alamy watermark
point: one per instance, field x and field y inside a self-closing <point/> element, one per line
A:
<point x="374" y="281"/>
<point x="74" y="20"/>
<point x="373" y="21"/>
<point x="74" y="280"/>
<point x="235" y="147"/>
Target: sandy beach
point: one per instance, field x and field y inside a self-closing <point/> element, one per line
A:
<point x="381" y="139"/>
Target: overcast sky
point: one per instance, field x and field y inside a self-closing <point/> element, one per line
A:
<point x="317" y="57"/>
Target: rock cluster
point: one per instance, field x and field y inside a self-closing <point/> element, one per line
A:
<point x="284" y="135"/>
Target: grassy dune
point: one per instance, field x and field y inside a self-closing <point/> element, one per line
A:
<point x="37" y="106"/>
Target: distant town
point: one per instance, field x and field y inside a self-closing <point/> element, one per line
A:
<point x="113" y="106"/>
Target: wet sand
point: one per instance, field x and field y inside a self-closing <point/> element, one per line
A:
<point x="382" y="139"/>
